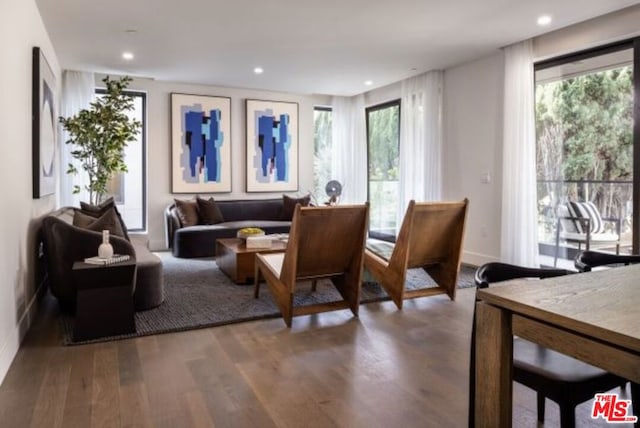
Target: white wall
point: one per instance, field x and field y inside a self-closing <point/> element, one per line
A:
<point x="473" y="99"/>
<point x="612" y="27"/>
<point x="159" y="194"/>
<point x="21" y="29"/>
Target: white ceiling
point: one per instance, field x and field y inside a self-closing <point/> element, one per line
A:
<point x="323" y="47"/>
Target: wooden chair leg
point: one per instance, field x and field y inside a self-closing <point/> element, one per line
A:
<point x="567" y="416"/>
<point x="541" y="401"/>
<point x="314" y="285"/>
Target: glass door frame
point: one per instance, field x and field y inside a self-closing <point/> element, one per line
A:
<point x="602" y="50"/>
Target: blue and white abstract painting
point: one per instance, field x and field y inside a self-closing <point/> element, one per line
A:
<point x="201" y="144"/>
<point x="272" y="146"/>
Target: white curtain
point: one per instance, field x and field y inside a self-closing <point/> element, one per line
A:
<point x="519" y="243"/>
<point x="78" y="89"/>
<point x="349" y="152"/>
<point x="420" y="140"/>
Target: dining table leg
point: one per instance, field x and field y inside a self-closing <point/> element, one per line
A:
<point x="494" y="362"/>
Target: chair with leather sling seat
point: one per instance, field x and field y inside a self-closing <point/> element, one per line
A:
<point x="324" y="242"/>
<point x="587" y="260"/>
<point x="552" y="375"/>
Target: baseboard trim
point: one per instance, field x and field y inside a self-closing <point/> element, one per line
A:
<point x="477" y="259"/>
<point x="12" y="343"/>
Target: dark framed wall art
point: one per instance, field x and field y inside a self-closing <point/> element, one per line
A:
<point x="43" y="126"/>
<point x="200" y="144"/>
<point x="272" y="146"/>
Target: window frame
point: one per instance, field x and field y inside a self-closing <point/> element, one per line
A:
<point x="143" y="134"/>
<point x="370" y="109"/>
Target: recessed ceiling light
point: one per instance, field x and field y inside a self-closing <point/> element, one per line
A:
<point x="258" y="70"/>
<point x="368" y="82"/>
<point x="127" y="56"/>
<point x="544" y="20"/>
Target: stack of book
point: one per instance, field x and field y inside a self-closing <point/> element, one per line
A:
<point x="116" y="258"/>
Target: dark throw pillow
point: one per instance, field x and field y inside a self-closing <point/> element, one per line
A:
<point x="289" y="205"/>
<point x="209" y="211"/>
<point x="187" y="211"/>
<point x="97" y="211"/>
<point x="107" y="221"/>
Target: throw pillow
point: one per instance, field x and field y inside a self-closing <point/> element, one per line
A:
<point x="209" y="211"/>
<point x="289" y="205"/>
<point x="109" y="221"/>
<point x="187" y="211"/>
<point x="98" y="210"/>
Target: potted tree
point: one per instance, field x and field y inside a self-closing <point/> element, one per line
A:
<point x="100" y="134"/>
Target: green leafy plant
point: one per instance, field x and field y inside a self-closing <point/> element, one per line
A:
<point x="100" y="134"/>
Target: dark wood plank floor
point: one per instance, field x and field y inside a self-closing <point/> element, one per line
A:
<point x="388" y="368"/>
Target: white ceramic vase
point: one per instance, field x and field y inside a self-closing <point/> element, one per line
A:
<point x="105" y="250"/>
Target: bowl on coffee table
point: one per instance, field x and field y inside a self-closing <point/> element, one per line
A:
<point x="246" y="232"/>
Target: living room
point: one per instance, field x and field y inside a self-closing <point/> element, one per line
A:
<point x="473" y="120"/>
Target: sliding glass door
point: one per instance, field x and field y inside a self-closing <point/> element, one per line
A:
<point x="585" y="152"/>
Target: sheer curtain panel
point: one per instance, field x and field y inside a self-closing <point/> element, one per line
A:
<point x="78" y="90"/>
<point x="519" y="241"/>
<point x="349" y="155"/>
<point x="420" y="140"/>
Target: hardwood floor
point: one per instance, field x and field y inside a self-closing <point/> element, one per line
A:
<point x="388" y="368"/>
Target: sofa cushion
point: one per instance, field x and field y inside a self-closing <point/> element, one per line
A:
<point x="98" y="210"/>
<point x="187" y="211"/>
<point x="107" y="221"/>
<point x="289" y="205"/>
<point x="209" y="211"/>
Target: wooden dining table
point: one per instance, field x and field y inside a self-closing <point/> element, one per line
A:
<point x="594" y="317"/>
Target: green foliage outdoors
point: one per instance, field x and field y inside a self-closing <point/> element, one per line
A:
<point x="584" y="128"/>
<point x="384" y="135"/>
<point x="100" y="134"/>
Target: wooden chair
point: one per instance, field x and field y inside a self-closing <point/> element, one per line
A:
<point x="324" y="242"/>
<point x="552" y="375"/>
<point x="431" y="238"/>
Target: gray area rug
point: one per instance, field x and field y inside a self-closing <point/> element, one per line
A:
<point x="198" y="295"/>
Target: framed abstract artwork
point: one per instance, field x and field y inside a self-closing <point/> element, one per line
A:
<point x="272" y="146"/>
<point x="200" y="144"/>
<point x="43" y="126"/>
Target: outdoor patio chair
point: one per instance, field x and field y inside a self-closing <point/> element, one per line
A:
<point x="581" y="223"/>
<point x="431" y="238"/>
<point x="324" y="242"/>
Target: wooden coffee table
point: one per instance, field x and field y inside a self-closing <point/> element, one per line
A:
<point x="237" y="261"/>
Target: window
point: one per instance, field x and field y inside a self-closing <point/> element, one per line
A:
<point x="129" y="189"/>
<point x="383" y="140"/>
<point x="322" y="147"/>
<point x="585" y="146"/>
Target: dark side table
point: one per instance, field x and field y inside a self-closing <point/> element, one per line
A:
<point x="104" y="299"/>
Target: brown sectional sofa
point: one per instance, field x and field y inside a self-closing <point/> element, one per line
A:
<point x="200" y="240"/>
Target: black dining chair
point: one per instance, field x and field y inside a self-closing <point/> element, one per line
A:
<point x="552" y="375"/>
<point x="587" y="260"/>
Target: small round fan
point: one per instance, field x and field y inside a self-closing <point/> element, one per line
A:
<point x="333" y="188"/>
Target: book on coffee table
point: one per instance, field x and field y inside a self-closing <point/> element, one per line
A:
<point x="263" y="241"/>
